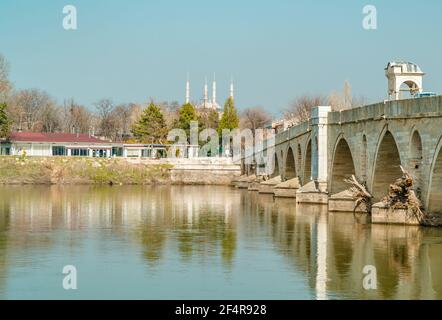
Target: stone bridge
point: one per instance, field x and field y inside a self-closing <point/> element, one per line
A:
<point x="371" y="142"/>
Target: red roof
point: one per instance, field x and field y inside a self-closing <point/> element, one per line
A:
<point x="54" y="137"/>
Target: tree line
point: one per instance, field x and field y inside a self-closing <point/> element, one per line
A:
<point x="34" y="110"/>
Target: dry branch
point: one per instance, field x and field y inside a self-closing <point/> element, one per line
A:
<point x="360" y="194"/>
<point x="402" y="195"/>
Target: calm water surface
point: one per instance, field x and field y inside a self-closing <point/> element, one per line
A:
<point x="202" y="243"/>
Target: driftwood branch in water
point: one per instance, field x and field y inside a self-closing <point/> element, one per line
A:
<point x="401" y="194"/>
<point x="360" y="194"/>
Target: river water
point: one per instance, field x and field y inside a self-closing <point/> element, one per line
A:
<point x="192" y="242"/>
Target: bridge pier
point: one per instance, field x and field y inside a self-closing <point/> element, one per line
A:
<point x="254" y="185"/>
<point x="287" y="189"/>
<point x="243" y="182"/>
<point x="310" y="193"/>
<point x="316" y="190"/>
<point x="269" y="185"/>
<point x="381" y="214"/>
<point x="343" y="202"/>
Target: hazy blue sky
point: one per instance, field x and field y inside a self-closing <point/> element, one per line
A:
<point x="275" y="50"/>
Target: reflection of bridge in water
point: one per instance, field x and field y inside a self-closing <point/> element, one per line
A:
<point x="371" y="142"/>
<point x="221" y="231"/>
<point x="323" y="246"/>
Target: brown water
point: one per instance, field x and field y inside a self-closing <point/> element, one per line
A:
<point x="202" y="243"/>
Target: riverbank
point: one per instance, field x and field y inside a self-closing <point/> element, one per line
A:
<point x="54" y="170"/>
<point x="95" y="171"/>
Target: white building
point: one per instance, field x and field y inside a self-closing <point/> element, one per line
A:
<point x="84" y="145"/>
<point x="55" y="144"/>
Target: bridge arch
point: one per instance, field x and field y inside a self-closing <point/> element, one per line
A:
<point x="276" y="171"/>
<point x="249" y="170"/>
<point x="434" y="197"/>
<point x="243" y="167"/>
<point x="416" y="158"/>
<point x="290" y="165"/>
<point x="410" y="86"/>
<point x="307" y="177"/>
<point x="342" y="166"/>
<point x="299" y="159"/>
<point x="364" y="160"/>
<point x="387" y="165"/>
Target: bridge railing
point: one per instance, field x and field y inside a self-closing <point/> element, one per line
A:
<point x="390" y="109"/>
<point x="293" y="132"/>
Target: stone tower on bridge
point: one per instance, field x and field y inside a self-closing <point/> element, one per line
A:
<point x="400" y="73"/>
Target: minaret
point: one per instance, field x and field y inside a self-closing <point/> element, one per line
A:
<point x="231" y="89"/>
<point x="187" y="90"/>
<point x="206" y="94"/>
<point x="214" y="91"/>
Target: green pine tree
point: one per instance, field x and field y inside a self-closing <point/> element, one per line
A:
<point x="187" y="113"/>
<point x="151" y="128"/>
<point x="5" y="123"/>
<point x="229" y="119"/>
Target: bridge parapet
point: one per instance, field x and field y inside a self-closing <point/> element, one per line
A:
<point x="293" y="132"/>
<point x="410" y="108"/>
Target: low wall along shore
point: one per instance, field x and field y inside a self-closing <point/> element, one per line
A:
<point x="63" y="170"/>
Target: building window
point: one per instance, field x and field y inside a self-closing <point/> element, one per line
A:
<point x="161" y="153"/>
<point x="146" y="153"/>
<point x="58" y="151"/>
<point x="79" y="152"/>
<point x="133" y="153"/>
<point x="5" y="151"/>
<point x="99" y="153"/>
<point x="117" y="151"/>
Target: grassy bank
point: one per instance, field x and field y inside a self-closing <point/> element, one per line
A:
<point x="59" y="170"/>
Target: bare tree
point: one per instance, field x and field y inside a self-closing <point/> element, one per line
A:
<point x="33" y="110"/>
<point x="344" y="100"/>
<point x="123" y="121"/>
<point x="174" y="106"/>
<point x="5" y="85"/>
<point x="170" y="111"/>
<point x="106" y="118"/>
<point x="255" y="118"/>
<point x="359" y="101"/>
<point x="208" y="118"/>
<point x="49" y="116"/>
<point x="135" y="112"/>
<point x="76" y="118"/>
<point x="300" y="109"/>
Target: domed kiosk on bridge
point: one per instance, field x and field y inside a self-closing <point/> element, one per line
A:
<point x="403" y="77"/>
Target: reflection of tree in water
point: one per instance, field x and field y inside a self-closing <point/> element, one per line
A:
<point x="293" y="236"/>
<point x="342" y="241"/>
<point x="4" y="225"/>
<point x="396" y="258"/>
<point x="432" y="255"/>
<point x="388" y="273"/>
<point x="283" y="225"/>
<point x="150" y="214"/>
<point x="153" y="240"/>
<point x="228" y="246"/>
<point x="198" y="227"/>
<point x="208" y="232"/>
